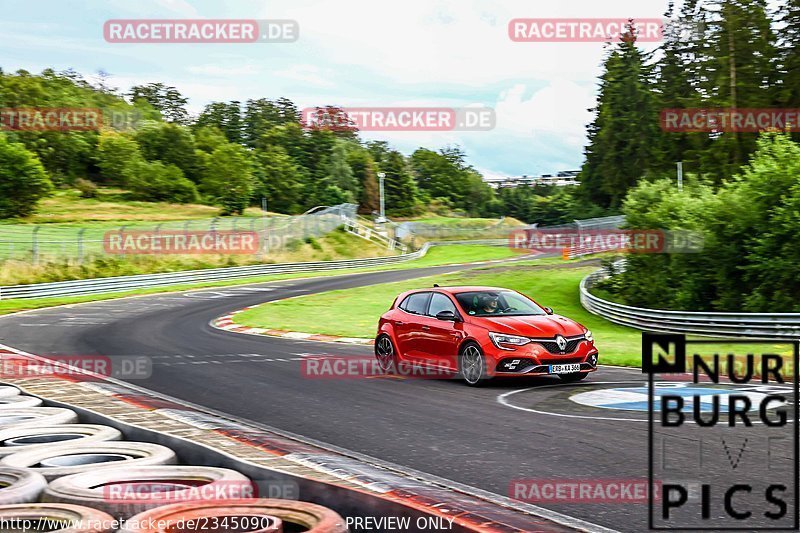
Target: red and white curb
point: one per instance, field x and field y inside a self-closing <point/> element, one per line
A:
<point x="225" y="322"/>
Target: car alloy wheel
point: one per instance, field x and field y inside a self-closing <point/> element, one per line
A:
<point x="384" y="352"/>
<point x="473" y="367"/>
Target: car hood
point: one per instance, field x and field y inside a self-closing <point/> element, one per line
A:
<point x="532" y="326"/>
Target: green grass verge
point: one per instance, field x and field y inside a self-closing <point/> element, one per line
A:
<point x="440" y="255"/>
<point x="112" y="207"/>
<point x="550" y="286"/>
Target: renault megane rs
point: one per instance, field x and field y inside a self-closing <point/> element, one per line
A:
<point x="478" y="333"/>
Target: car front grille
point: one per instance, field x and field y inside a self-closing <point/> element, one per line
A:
<point x="552" y="346"/>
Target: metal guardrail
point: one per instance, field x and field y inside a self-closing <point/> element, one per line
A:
<point x="144" y="281"/>
<point x="709" y="324"/>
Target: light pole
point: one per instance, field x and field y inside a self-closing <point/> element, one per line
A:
<point x="382" y="219"/>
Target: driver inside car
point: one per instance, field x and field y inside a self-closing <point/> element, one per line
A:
<point x="490" y="304"/>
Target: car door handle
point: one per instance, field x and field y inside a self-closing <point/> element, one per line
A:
<point x="426" y="328"/>
<point x="398" y="323"/>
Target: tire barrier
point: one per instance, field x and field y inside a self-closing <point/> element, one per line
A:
<point x="16" y="402"/>
<point x="20" y="485"/>
<point x="36" y="416"/>
<point x="56" y="461"/>
<point x="8" y="390"/>
<point x="54" y="517"/>
<point x="21" y="439"/>
<point x="255" y="514"/>
<point x="124" y="492"/>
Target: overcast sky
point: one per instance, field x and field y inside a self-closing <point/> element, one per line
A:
<point x="355" y="53"/>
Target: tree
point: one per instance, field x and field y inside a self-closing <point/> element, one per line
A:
<point x="678" y="75"/>
<point x="365" y="174"/>
<point x="789" y="90"/>
<point x="115" y="155"/>
<point x="741" y="62"/>
<point x="228" y="178"/>
<point x="399" y="188"/>
<point x="209" y="138"/>
<point x="153" y="181"/>
<point x="171" y="144"/>
<point x="225" y="117"/>
<point x="261" y="115"/>
<point x="339" y="172"/>
<point x="167" y="100"/>
<point x="620" y="146"/>
<point x="278" y="179"/>
<point x="23" y="180"/>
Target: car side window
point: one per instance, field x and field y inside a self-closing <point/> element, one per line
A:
<point x="416" y="303"/>
<point x="439" y="303"/>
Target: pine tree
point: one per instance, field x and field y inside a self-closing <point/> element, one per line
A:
<point x="740" y="57"/>
<point x="621" y="147"/>
<point x="789" y="88"/>
<point x="399" y="187"/>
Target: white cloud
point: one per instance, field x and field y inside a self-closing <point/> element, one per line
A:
<point x="308" y="74"/>
<point x="224" y="71"/>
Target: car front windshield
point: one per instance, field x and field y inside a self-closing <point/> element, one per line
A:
<point x="497" y="303"/>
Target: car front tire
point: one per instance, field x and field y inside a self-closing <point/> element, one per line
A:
<point x="472" y="365"/>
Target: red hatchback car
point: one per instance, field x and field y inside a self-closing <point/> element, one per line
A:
<point x="478" y="333"/>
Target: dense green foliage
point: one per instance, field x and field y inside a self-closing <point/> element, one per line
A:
<point x="716" y="54"/>
<point x="23" y="180"/>
<point x="750" y="260"/>
<point x="234" y="154"/>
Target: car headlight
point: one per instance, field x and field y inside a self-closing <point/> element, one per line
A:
<point x="499" y="339"/>
<point x="588" y="336"/>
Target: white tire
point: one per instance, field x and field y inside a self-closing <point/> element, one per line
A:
<point x="20" y="485"/>
<point x="22" y="439"/>
<point x="56" y="461"/>
<point x="16" y="402"/>
<point x="36" y="416"/>
<point x="126" y="491"/>
<point x="8" y="390"/>
<point x="49" y="516"/>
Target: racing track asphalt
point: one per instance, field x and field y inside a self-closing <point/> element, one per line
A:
<point x="437" y="426"/>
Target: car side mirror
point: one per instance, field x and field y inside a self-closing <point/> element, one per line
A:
<point x="446" y="315"/>
<point x="548" y="310"/>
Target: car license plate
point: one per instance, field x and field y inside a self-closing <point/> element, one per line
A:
<point x="565" y="369"/>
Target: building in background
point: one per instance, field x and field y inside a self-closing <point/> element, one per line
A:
<point x="562" y="178"/>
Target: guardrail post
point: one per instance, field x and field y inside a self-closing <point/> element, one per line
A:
<point x="35" y="244"/>
<point x="122" y="240"/>
<point x="80" y="245"/>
